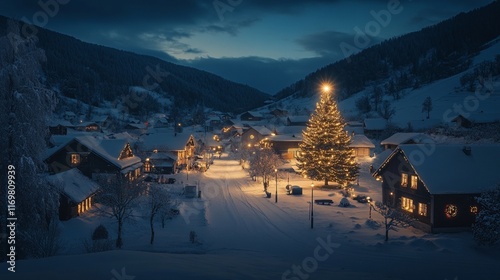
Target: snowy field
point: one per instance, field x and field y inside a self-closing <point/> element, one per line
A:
<point x="244" y="235"/>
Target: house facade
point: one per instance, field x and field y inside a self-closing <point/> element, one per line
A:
<point x="437" y="184"/>
<point x="178" y="146"/>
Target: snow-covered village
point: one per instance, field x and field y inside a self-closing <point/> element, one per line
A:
<point x="250" y="140"/>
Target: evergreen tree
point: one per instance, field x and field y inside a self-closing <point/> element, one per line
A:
<point x="324" y="153"/>
<point x="486" y="229"/>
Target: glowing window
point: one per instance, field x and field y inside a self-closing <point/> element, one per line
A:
<point x="422" y="209"/>
<point x="473" y="210"/>
<point x="252" y="136"/>
<point x="414" y="181"/>
<point x="404" y="179"/>
<point x="75" y="159"/>
<point x="451" y="211"/>
<point x="407" y="204"/>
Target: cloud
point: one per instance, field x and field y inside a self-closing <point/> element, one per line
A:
<point x="327" y="43"/>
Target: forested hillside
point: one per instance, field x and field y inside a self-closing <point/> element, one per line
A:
<point x="411" y="60"/>
<point x="93" y="74"/>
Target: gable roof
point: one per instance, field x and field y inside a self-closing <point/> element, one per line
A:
<point x="447" y="169"/>
<point x="361" y="141"/>
<point x="165" y="141"/>
<point x="109" y="149"/>
<point x="298" y="119"/>
<point x="73" y="184"/>
<point x="262" y="130"/>
<point x="480" y="117"/>
<point x="404" y="137"/>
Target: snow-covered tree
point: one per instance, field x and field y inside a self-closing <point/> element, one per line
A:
<point x="486" y="229"/>
<point x="25" y="107"/>
<point x="158" y="202"/>
<point x="392" y="218"/>
<point x="263" y="163"/>
<point x="324" y="153"/>
<point x="119" y="196"/>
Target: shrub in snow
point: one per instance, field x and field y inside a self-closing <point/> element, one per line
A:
<point x="486" y="229"/>
<point x="392" y="218"/>
<point x="192" y="236"/>
<point x="344" y="202"/>
<point x="99" y="241"/>
<point x="100" y="232"/>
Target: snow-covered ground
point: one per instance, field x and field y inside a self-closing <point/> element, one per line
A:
<point x="244" y="235"/>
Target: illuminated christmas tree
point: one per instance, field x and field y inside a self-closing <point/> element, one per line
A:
<point x="324" y="153"/>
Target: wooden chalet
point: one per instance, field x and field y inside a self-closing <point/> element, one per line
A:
<point x="180" y="147"/>
<point x="437" y="184"/>
<point x="252" y="136"/>
<point x="251" y="116"/>
<point x="94" y="156"/>
<point x="76" y="192"/>
<point x="362" y="146"/>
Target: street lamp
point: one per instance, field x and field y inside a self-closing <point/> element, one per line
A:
<point x="276" y="196"/>
<point x="312" y="205"/>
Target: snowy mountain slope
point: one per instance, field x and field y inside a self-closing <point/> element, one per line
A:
<point x="446" y="95"/>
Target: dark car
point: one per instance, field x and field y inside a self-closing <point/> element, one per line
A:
<point x="363" y="199"/>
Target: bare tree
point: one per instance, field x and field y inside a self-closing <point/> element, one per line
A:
<point x="427" y="106"/>
<point x="263" y="164"/>
<point x="159" y="202"/>
<point x="392" y="218"/>
<point x="386" y="110"/>
<point x="120" y="196"/>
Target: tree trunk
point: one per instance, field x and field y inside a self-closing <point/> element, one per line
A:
<point x="119" y="241"/>
<point x="326" y="182"/>
<point x="386" y="230"/>
<point x="152" y="230"/>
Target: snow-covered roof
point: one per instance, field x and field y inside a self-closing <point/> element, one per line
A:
<point x="375" y="124"/>
<point x="100" y="119"/>
<point x="84" y="124"/>
<point x="262" y="130"/>
<point x="354" y="129"/>
<point x="405" y="137"/>
<point x="137" y="125"/>
<point x="166" y="141"/>
<point x="109" y="149"/>
<point x="73" y="184"/>
<point x="447" y="169"/>
<point x="361" y="141"/>
<point x="61" y="122"/>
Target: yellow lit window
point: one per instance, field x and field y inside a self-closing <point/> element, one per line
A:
<point x="252" y="136"/>
<point x="407" y="204"/>
<point x="422" y="209"/>
<point x="414" y="181"/>
<point x="404" y="179"/>
<point x="473" y="210"/>
<point x="75" y="159"/>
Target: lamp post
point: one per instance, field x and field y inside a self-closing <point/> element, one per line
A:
<point x="312" y="205"/>
<point x="276" y="196"/>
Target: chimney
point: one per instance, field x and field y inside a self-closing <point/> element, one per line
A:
<point x="467" y="150"/>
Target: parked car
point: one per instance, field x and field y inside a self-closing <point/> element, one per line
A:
<point x="294" y="190"/>
<point x="363" y="199"/>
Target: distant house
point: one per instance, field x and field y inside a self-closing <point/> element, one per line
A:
<point x="251" y="116"/>
<point x="401" y="138"/>
<point x="103" y="121"/>
<point x="253" y="135"/>
<point x="180" y="146"/>
<point x="354" y="127"/>
<point x="284" y="145"/>
<point x="161" y="163"/>
<point x="88" y="126"/>
<point x="76" y="192"/>
<point x="94" y="157"/>
<point x="472" y="119"/>
<point x="134" y="126"/>
<point x="361" y="145"/>
<point x="59" y="127"/>
<point x="297" y="120"/>
<point x="437" y="184"/>
<point x="374" y="126"/>
<point x="213" y="123"/>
